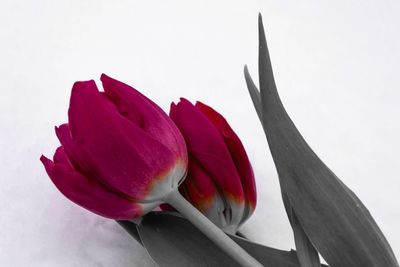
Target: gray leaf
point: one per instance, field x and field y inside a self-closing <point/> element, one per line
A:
<point x="331" y="215"/>
<point x="306" y="253"/>
<point x="173" y="241"/>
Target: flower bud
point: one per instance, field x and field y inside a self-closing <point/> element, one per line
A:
<point x="120" y="154"/>
<point x="220" y="181"/>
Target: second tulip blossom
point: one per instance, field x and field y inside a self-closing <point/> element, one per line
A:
<point x="220" y="180"/>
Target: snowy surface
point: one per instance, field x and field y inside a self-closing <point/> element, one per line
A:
<point x="336" y="65"/>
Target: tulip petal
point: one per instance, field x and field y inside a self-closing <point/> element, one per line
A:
<point x="113" y="149"/>
<point x="63" y="134"/>
<point x="238" y="155"/>
<point x="208" y="148"/>
<point x="198" y="187"/>
<point x="139" y="109"/>
<point x="200" y="190"/>
<point x="86" y="192"/>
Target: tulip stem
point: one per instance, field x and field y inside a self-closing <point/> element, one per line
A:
<point x="215" y="234"/>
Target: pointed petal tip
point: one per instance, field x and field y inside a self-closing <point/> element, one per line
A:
<point x="60" y="127"/>
<point x="43" y="158"/>
<point x="182" y="99"/>
<point x="106" y="81"/>
<point x="173" y="104"/>
<point x="103" y="76"/>
<point x="61" y="130"/>
<point x="200" y="104"/>
<point x="47" y="163"/>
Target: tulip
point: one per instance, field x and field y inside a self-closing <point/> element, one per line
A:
<point x="120" y="153"/>
<point x="220" y="181"/>
<point x="326" y="216"/>
<point x="121" y="156"/>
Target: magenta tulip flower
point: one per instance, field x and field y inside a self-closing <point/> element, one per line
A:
<point x="120" y="154"/>
<point x="220" y="181"/>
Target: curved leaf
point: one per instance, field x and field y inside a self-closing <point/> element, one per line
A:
<point x="331" y="215"/>
<point x="306" y="253"/>
<point x="173" y="241"/>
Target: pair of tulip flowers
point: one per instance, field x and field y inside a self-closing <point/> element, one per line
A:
<point x="121" y="155"/>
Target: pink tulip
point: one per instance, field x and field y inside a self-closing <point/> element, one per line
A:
<point x="120" y="154"/>
<point x="220" y="181"/>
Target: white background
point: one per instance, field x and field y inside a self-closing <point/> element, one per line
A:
<point x="336" y="65"/>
